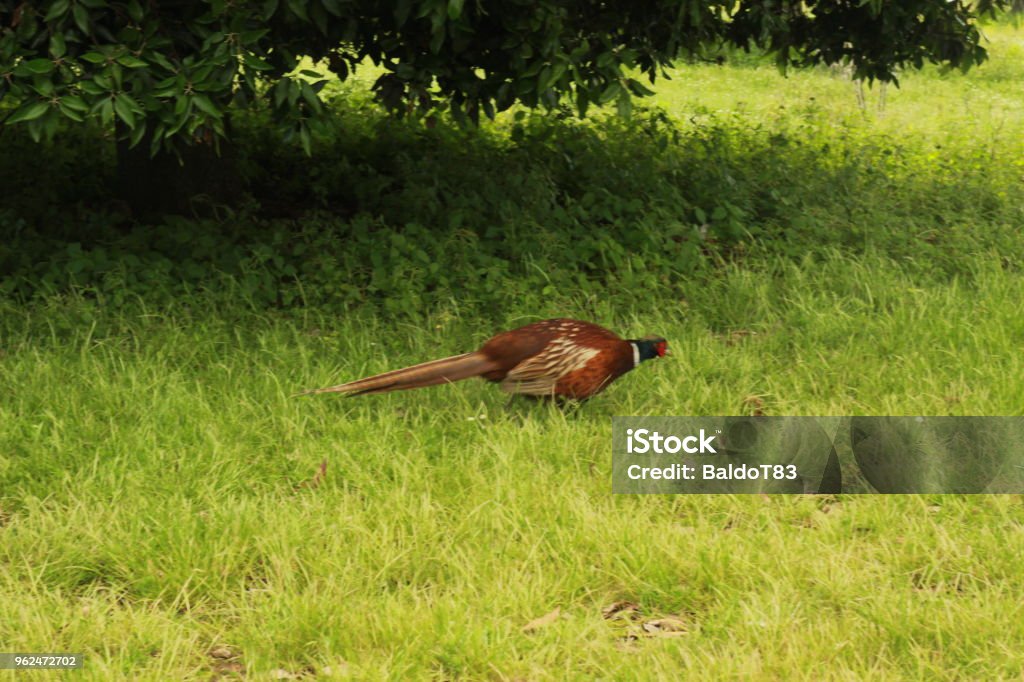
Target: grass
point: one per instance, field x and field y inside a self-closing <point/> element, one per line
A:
<point x="152" y="515"/>
<point x="160" y="501"/>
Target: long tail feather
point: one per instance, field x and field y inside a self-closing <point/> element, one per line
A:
<point x="446" y="370"/>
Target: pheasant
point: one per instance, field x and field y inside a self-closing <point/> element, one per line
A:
<point x="554" y="358"/>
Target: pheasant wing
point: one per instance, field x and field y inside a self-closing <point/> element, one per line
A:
<point x="539" y="374"/>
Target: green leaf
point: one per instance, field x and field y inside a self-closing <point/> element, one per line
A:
<point x="158" y="139"/>
<point x="558" y="70"/>
<point x="81" y="18"/>
<point x="309" y="95"/>
<point x="582" y="102"/>
<point x="341" y="69"/>
<point x="624" y="105"/>
<point x="550" y="75"/>
<point x="455" y="9"/>
<point x="638" y="88"/>
<point x="319" y="16"/>
<point x="39" y="66"/>
<point x="28" y="112"/>
<point x="117" y="73"/>
<point x="71" y="112"/>
<point x="298" y="8"/>
<point x="35" y="130"/>
<point x="206" y="105"/>
<point x="123" y="109"/>
<point x="544" y="79"/>
<point x="402" y="12"/>
<point x="138" y="132"/>
<point x="49" y="123"/>
<point x="135" y="11"/>
<point x="183" y="118"/>
<point x="161" y="60"/>
<point x="57" y="10"/>
<point x="75" y="103"/>
<point x="250" y="37"/>
<point x="281" y="92"/>
<point x="255" y="63"/>
<point x="44" y="87"/>
<point x="437" y="40"/>
<point x="609" y="93"/>
<point x="94" y="57"/>
<point x="131" y="62"/>
<point x="58" y="47"/>
<point x="91" y="88"/>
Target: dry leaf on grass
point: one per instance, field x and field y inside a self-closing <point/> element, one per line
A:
<point x="543" y="621"/>
<point x="737" y="335"/>
<point x="225" y="662"/>
<point x="621" y="609"/>
<point x="626" y="616"/>
<point x="665" y="627"/>
<point x="224" y="668"/>
<point x="340" y="668"/>
<point x="282" y="674"/>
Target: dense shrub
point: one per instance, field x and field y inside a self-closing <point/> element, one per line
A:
<point x="410" y="218"/>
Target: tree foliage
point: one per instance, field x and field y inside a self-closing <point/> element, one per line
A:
<point x="169" y="71"/>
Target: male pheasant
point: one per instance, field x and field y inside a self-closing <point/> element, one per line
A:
<point x="554" y="358"/>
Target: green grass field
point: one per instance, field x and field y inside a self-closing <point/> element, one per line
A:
<point x="169" y="510"/>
